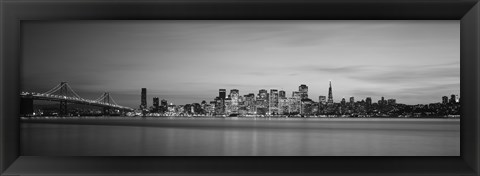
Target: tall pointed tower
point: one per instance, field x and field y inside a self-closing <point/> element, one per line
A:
<point x="330" y="96"/>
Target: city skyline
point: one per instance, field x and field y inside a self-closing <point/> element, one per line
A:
<point x="441" y="98"/>
<point x="415" y="62"/>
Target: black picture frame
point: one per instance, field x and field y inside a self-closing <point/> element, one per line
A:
<point x="15" y="11"/>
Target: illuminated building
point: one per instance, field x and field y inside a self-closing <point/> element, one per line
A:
<point x="307" y="107"/>
<point x="322" y="100"/>
<point x="250" y="103"/>
<point x="303" y="89"/>
<point x="222" y="93"/>
<point x="260" y="106"/>
<point x="172" y="108"/>
<point x="281" y="94"/>
<point x="211" y="109"/>
<point x="228" y="106"/>
<point x="283" y="106"/>
<point x="219" y="106"/>
<point x="330" y="96"/>
<point x="263" y="95"/>
<point x="234" y="96"/>
<point x="163" y="105"/>
<point x="296" y="94"/>
<point x="273" y="101"/>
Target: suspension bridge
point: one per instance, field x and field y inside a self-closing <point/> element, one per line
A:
<point x="64" y="94"/>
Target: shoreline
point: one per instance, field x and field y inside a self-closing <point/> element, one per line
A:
<point x="116" y="119"/>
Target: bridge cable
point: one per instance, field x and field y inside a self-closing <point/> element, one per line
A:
<point x="54" y="89"/>
<point x="71" y="90"/>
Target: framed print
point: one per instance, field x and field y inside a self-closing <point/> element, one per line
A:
<point x="310" y="87"/>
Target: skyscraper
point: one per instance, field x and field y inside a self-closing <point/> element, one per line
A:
<point x="444" y="99"/>
<point x="330" y="96"/>
<point x="369" y="101"/>
<point x="452" y="98"/>
<point x="143" y="104"/>
<point x="382" y="101"/>
<point x="281" y="94"/>
<point x="262" y="93"/>
<point x="322" y="100"/>
<point x="234" y="95"/>
<point x="343" y="101"/>
<point x="273" y="101"/>
<point x="263" y="97"/>
<point x="303" y="89"/>
<point x="156" y="104"/>
<point x="250" y="103"/>
<point x="352" y="100"/>
<point x="219" y="106"/>
<point x="296" y="94"/>
<point x="222" y="94"/>
<point x="164" y="105"/>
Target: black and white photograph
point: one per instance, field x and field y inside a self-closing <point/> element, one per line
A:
<point x="240" y="88"/>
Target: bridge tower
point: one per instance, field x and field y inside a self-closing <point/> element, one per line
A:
<point x="106" y="99"/>
<point x="63" y="103"/>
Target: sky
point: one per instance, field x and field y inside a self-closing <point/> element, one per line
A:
<point x="414" y="62"/>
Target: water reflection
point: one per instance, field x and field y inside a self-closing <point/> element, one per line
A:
<point x="218" y="137"/>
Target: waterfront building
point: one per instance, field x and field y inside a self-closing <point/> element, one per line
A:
<point x="261" y="106"/>
<point x="163" y="106"/>
<point x="307" y="107"/>
<point x="452" y="99"/>
<point x="179" y="109"/>
<point x="250" y="103"/>
<point x="281" y="94"/>
<point x="392" y="101"/>
<point x="222" y="93"/>
<point x="263" y="95"/>
<point x="352" y="100"/>
<point x="273" y="101"/>
<point x="219" y="106"/>
<point x="294" y="104"/>
<point x="283" y="106"/>
<point x="156" y="104"/>
<point x="143" y="103"/>
<point x="330" y="95"/>
<point x="343" y="101"/>
<point x="172" y="108"/>
<point x="234" y="96"/>
<point x="382" y="101"/>
<point x="444" y="99"/>
<point x="297" y="94"/>
<point x="303" y="89"/>
<point x="228" y="106"/>
<point x="211" y="108"/>
<point x="369" y="101"/>
<point x="322" y="100"/>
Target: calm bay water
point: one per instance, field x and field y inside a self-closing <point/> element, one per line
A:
<point x="241" y="137"/>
